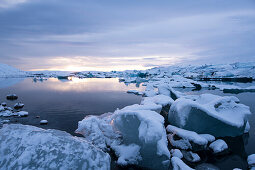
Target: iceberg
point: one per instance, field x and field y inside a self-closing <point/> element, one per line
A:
<point x="209" y="114"/>
<point x="141" y="131"/>
<point x="29" y="147"/>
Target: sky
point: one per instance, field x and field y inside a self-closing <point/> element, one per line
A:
<point x="106" y="35"/>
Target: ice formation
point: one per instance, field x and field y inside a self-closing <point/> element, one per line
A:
<point x="218" y="146"/>
<point x="213" y="113"/>
<point x="141" y="130"/>
<point x="29" y="147"/>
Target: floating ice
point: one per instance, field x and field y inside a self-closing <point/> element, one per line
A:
<point x="218" y="146"/>
<point x="29" y="147"/>
<point x="144" y="128"/>
<point x="158" y="99"/>
<point x="146" y="106"/>
<point x="178" y="164"/>
<point x="135" y="92"/>
<point x="176" y="153"/>
<point x="209" y="114"/>
<point x="18" y="105"/>
<point x="190" y="156"/>
<point x="43" y="122"/>
<point x="128" y="154"/>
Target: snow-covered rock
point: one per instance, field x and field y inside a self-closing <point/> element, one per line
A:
<point x="29" y="147"/>
<point x="209" y="114"/>
<point x="218" y="146"/>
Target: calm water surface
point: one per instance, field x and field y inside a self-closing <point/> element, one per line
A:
<point x="63" y="103"/>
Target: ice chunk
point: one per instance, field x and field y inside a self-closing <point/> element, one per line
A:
<point x="149" y="91"/>
<point x="218" y="146"/>
<point x="188" y="135"/>
<point x="144" y="128"/>
<point x="43" y="122"/>
<point x="208" y="137"/>
<point x="167" y="90"/>
<point x="190" y="156"/>
<point x="128" y="154"/>
<point x="178" y="164"/>
<point x="247" y="127"/>
<point x="29" y="147"/>
<point x="176" y="153"/>
<point x="209" y="114"/>
<point x="22" y="113"/>
<point x="146" y="106"/>
<point x="158" y="99"/>
<point x="135" y="92"/>
<point x="12" y="97"/>
<point x="251" y="160"/>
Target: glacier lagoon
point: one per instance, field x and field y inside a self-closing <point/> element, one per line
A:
<point x="65" y="102"/>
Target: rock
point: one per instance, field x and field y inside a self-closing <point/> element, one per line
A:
<point x="18" y="105"/>
<point x="4" y="104"/>
<point x="12" y="97"/>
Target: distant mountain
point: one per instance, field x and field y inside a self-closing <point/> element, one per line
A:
<point x="8" y="71"/>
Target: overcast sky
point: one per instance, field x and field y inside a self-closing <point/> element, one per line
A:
<point x="125" y="34"/>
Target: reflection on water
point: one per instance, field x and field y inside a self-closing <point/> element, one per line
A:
<point x="64" y="103"/>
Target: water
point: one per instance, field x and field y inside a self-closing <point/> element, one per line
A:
<point x="240" y="147"/>
<point x="63" y="103"/>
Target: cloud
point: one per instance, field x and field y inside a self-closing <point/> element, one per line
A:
<point x="139" y="34"/>
<point x="10" y="3"/>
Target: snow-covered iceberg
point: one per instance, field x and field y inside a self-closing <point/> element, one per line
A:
<point x="210" y="114"/>
<point x="142" y="131"/>
<point x="29" y="147"/>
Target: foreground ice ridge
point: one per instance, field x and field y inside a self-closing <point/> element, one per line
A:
<point x="29" y="147"/>
<point x="141" y="131"/>
<point x="213" y="113"/>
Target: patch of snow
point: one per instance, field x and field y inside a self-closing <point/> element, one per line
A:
<point x="29" y="147"/>
<point x="213" y="113"/>
<point x="218" y="146"/>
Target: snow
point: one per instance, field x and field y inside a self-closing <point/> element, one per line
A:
<point x="218" y="146"/>
<point x="178" y="164"/>
<point x="247" y="127"/>
<point x="135" y="92"/>
<point x="43" y="121"/>
<point x="8" y="71"/>
<point x="213" y="113"/>
<point x="146" y="106"/>
<point x="190" y="156"/>
<point x="251" y="160"/>
<point x="144" y="128"/>
<point x="188" y="135"/>
<point x="29" y="147"/>
<point x="158" y="99"/>
<point x="176" y="153"/>
<point x="128" y="154"/>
